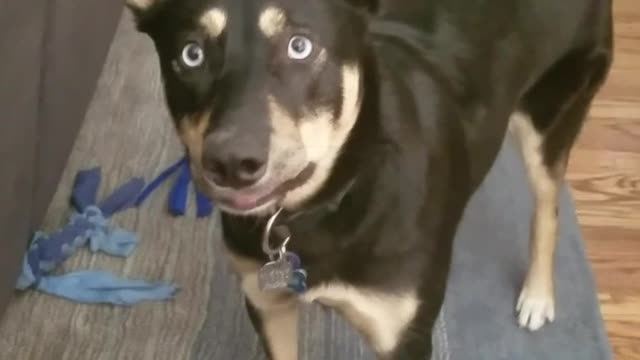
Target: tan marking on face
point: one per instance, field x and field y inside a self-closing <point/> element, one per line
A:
<point x="382" y="318"/>
<point x="272" y="21"/>
<point x="323" y="138"/>
<point x="315" y="138"/>
<point x="282" y="123"/>
<point x="285" y="139"/>
<point x="192" y="131"/>
<point x="214" y="21"/>
<point x="320" y="61"/>
<point x="315" y="131"/>
<point x="536" y="302"/>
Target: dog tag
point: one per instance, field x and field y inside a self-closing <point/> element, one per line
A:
<point x="298" y="283"/>
<point x="293" y="260"/>
<point x="275" y="275"/>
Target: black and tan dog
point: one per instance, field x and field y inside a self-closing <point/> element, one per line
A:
<point x="366" y="126"/>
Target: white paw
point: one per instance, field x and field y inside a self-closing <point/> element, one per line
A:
<point x="535" y="308"/>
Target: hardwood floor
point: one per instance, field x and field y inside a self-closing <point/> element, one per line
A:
<point x="604" y="173"/>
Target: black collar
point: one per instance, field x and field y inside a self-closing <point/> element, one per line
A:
<point x="318" y="208"/>
<point x="325" y="204"/>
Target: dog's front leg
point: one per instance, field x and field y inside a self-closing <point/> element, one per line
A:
<point x="274" y="315"/>
<point x="397" y="325"/>
<point x="275" y="318"/>
<point x="414" y="350"/>
<point x="416" y="341"/>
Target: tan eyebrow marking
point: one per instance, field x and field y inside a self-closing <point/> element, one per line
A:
<point x="214" y="21"/>
<point x="272" y="21"/>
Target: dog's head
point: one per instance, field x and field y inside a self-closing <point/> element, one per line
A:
<point x="264" y="93"/>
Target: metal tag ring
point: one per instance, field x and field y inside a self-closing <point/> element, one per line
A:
<point x="266" y="247"/>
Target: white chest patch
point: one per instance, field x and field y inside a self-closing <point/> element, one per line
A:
<point x="381" y="317"/>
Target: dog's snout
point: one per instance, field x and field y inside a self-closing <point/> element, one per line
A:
<point x="234" y="163"/>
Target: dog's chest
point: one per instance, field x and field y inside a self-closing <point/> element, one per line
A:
<point x="381" y="317"/>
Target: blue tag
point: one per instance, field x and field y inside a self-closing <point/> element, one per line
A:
<point x="298" y="281"/>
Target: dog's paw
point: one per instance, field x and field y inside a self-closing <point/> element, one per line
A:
<point x="535" y="308"/>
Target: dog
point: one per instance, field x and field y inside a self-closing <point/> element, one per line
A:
<point x="342" y="140"/>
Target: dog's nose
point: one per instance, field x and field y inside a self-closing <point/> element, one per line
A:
<point x="235" y="164"/>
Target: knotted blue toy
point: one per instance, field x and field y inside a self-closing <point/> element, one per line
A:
<point x="89" y="224"/>
<point x="179" y="192"/>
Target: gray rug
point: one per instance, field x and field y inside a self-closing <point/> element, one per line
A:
<point x="128" y="133"/>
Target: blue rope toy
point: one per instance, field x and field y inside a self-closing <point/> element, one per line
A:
<point x="89" y="225"/>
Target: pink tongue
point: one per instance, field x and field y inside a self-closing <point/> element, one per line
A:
<point x="245" y="201"/>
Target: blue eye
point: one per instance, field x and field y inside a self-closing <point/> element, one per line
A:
<point x="192" y="55"/>
<point x="300" y="47"/>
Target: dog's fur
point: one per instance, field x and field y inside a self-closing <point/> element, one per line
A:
<point x="374" y="144"/>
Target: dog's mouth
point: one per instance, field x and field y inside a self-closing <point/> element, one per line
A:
<point x="258" y="199"/>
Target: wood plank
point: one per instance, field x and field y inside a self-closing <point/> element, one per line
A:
<point x="614" y="254"/>
<point x="606" y="187"/>
<point x="613" y="125"/>
<point x="604" y="173"/>
<point x="622" y="314"/>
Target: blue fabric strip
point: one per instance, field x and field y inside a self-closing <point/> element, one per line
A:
<point x="180" y="192"/>
<point x="122" y="198"/>
<point x="159" y="180"/>
<point x="205" y="207"/>
<point x="91" y="225"/>
<point x="96" y="287"/>
<point x="48" y="251"/>
<point x="85" y="188"/>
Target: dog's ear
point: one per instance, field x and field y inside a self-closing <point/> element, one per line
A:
<point x="140" y="8"/>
